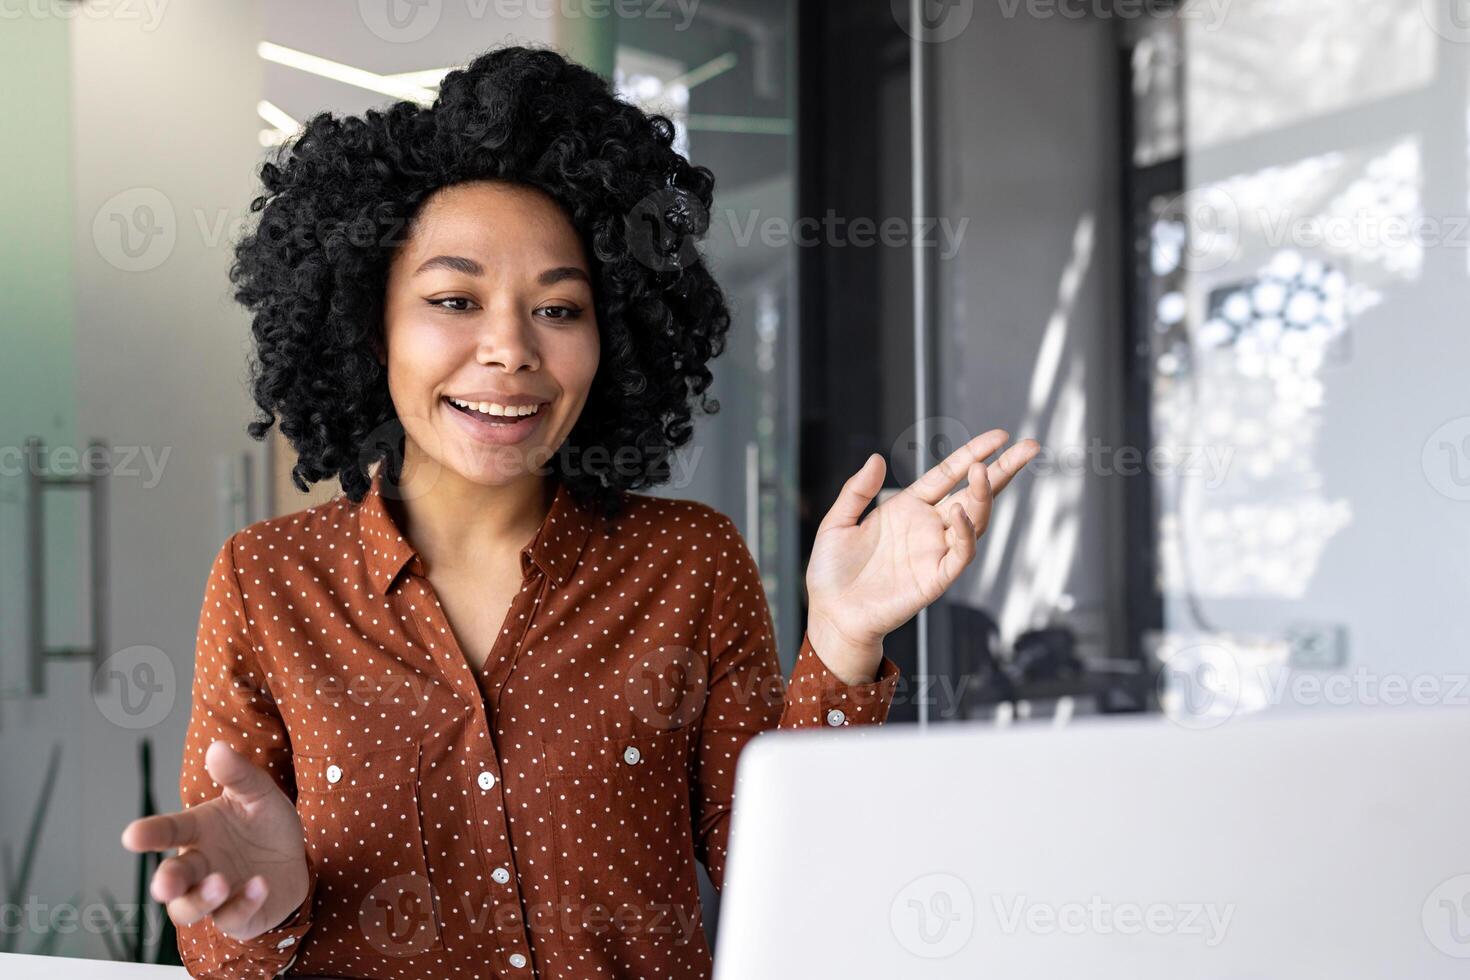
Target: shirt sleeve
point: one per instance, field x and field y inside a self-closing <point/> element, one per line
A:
<point x="231" y="701"/>
<point x="747" y="693"/>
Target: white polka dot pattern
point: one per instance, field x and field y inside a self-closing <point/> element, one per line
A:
<point x="538" y="816"/>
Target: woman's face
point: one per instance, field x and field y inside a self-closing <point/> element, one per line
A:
<point x="491" y="337"/>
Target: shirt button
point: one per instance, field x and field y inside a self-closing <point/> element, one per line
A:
<point x="517" y="960"/>
<point x="835" y="717"/>
<point x="487" y="779"/>
<point x="285" y="942"/>
<point x="631" y="755"/>
<point x="334" y="773"/>
<point x="500" y="875"/>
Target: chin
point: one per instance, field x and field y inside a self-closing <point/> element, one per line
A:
<point x="500" y="466"/>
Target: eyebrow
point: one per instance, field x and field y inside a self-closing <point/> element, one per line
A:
<point x="459" y="263"/>
<point x="454" y="263"/>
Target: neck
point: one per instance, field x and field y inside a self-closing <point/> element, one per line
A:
<point x="454" y="523"/>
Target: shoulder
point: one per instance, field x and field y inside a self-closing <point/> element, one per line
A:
<point x="297" y="538"/>
<point x="688" y="521"/>
<point x="687" y="532"/>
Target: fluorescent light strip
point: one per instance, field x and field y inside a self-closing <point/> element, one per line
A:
<point x="706" y="71"/>
<point x="283" y="126"/>
<point x="276" y="116"/>
<point x="429" y="78"/>
<point x="335" y="70"/>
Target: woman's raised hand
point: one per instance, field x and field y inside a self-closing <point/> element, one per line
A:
<point x="242" y="855"/>
<point x="866" y="579"/>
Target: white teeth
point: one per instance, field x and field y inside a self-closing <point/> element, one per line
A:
<point x="503" y="411"/>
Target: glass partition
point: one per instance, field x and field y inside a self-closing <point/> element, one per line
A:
<point x="1215" y="265"/>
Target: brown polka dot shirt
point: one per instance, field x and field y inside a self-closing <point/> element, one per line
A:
<point x="539" y="817"/>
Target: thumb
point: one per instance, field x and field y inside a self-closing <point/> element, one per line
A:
<point x="235" y="773"/>
<point x="856" y="494"/>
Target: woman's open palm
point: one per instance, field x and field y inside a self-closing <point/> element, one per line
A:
<point x="913" y="546"/>
<point x="242" y="855"/>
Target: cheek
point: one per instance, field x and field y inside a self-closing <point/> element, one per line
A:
<point x="579" y="360"/>
<point x="420" y="354"/>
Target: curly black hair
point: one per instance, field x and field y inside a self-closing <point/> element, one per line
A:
<point x="342" y="196"/>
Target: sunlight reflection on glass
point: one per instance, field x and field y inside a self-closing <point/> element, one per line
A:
<point x="1328" y="54"/>
<point x="1247" y="378"/>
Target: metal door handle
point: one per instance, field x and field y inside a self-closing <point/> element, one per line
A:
<point x="95" y="484"/>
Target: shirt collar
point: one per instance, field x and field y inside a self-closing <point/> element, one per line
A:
<point x="556" y="548"/>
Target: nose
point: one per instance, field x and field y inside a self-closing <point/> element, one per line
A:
<point x="508" y="341"/>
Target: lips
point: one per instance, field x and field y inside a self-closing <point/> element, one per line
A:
<point x="491" y="418"/>
<point x="493" y="429"/>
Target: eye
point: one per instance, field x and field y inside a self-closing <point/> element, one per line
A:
<point x="440" y="303"/>
<point x="558" y="312"/>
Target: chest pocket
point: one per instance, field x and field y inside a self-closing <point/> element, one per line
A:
<point x="625" y="866"/>
<point x="364" y="831"/>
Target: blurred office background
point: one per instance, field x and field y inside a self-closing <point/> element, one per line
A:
<point x="1214" y="256"/>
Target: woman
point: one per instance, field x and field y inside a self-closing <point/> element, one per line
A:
<point x="479" y="714"/>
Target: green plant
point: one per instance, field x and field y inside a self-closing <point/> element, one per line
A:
<point x="18" y="880"/>
<point x="128" y="939"/>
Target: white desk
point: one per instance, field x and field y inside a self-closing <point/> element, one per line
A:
<point x="15" y="966"/>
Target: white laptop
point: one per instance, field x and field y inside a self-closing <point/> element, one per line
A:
<point x="1332" y="845"/>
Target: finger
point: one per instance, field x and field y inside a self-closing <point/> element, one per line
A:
<point x="961" y="538"/>
<point x="856" y="494"/>
<point x="161" y="832"/>
<point x="176" y="875"/>
<point x="235" y="773"/>
<point x="978" y="499"/>
<point x="200" y="900"/>
<point x="933" y="485"/>
<point x="239" y="916"/>
<point x="1010" y="463"/>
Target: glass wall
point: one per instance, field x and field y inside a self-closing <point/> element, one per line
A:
<point x="1215" y="265"/>
<point x="1027" y="337"/>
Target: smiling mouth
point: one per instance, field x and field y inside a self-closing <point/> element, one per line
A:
<point x="494" y="414"/>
